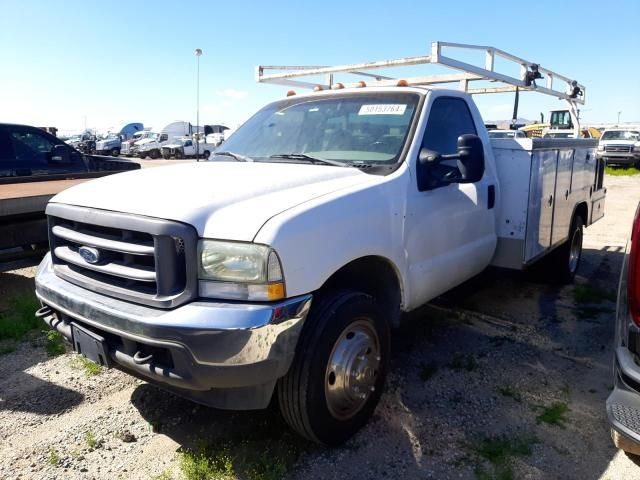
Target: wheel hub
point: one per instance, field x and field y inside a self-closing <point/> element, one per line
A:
<point x="352" y="369"/>
<point x="574" y="252"/>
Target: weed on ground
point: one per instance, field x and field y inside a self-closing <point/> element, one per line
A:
<point x="54" y="456"/>
<point x="464" y="362"/>
<point x="554" y="414"/>
<point x="508" y="391"/>
<point x="498" y="452"/>
<point x="54" y="343"/>
<point x="621" y="171"/>
<point x="19" y="318"/>
<point x="80" y="362"/>
<point x="589" y="294"/>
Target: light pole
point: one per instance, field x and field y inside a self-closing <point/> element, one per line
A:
<point x="198" y="54"/>
<point x="619" y="117"/>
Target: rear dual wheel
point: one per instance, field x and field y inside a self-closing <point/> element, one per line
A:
<point x="562" y="264"/>
<point x="337" y="375"/>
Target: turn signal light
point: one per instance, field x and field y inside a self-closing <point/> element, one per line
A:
<point x="633" y="279"/>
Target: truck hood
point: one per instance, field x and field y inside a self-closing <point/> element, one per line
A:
<point x="224" y="200"/>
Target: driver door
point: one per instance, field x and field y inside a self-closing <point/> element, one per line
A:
<point x="450" y="228"/>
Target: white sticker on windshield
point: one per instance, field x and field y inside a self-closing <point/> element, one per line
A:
<point x="388" y="109"/>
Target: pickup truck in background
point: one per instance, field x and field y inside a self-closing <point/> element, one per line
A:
<point x="34" y="166"/>
<point x="620" y="146"/>
<point x="282" y="265"/>
<point x="186" y="148"/>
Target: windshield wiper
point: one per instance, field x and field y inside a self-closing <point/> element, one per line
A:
<point x="308" y="158"/>
<point x="237" y="156"/>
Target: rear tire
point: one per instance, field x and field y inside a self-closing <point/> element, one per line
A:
<point x="142" y="155"/>
<point x="205" y="154"/>
<point x="338" y="372"/>
<point x="154" y="154"/>
<point x="562" y="264"/>
<point x="115" y="152"/>
<point x="178" y="155"/>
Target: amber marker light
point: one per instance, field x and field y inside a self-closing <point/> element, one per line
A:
<point x="291" y="93"/>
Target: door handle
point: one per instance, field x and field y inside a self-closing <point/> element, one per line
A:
<point x="566" y="194"/>
<point x="550" y="201"/>
<point x="491" y="197"/>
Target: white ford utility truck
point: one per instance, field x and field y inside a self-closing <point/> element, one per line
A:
<point x="280" y="265"/>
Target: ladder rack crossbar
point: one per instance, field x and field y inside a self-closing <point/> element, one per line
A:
<point x="290" y="75"/>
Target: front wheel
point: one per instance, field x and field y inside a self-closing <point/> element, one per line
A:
<point x="205" y="154"/>
<point x="154" y="154"/>
<point x="338" y="372"/>
<point x="115" y="152"/>
<point x="142" y="155"/>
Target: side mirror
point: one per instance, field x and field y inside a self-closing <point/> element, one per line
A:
<point x="470" y="158"/>
<point x="60" y="154"/>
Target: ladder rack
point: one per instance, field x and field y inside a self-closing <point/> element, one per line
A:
<point x="574" y="92"/>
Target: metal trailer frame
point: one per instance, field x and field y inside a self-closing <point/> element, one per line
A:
<point x="288" y="75"/>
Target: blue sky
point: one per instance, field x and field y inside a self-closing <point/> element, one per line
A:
<point x="122" y="61"/>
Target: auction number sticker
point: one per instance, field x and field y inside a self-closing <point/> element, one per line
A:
<point x="387" y="109"/>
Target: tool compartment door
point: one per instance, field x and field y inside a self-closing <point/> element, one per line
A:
<point x="541" y="201"/>
<point x="563" y="200"/>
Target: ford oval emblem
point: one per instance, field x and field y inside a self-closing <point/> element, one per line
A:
<point x="89" y="254"/>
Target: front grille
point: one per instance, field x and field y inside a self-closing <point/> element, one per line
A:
<point x="618" y="148"/>
<point x="141" y="259"/>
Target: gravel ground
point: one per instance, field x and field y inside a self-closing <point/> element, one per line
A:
<point x="481" y="362"/>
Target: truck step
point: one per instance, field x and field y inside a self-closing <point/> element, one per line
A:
<point x="623" y="409"/>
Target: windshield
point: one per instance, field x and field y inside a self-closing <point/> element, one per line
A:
<point x="502" y="134"/>
<point x="621" y="135"/>
<point x="349" y="128"/>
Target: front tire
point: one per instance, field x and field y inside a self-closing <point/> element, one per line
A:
<point x="115" y="152"/>
<point x="154" y="154"/>
<point x="338" y="372"/>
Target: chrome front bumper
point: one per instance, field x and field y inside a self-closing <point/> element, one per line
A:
<point x="222" y="354"/>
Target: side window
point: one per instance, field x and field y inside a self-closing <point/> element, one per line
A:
<point x="188" y="143"/>
<point x="163" y="138"/>
<point x="31" y="148"/>
<point x="449" y="118"/>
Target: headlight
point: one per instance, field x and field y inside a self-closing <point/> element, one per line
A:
<point x="600" y="148"/>
<point x="239" y="271"/>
